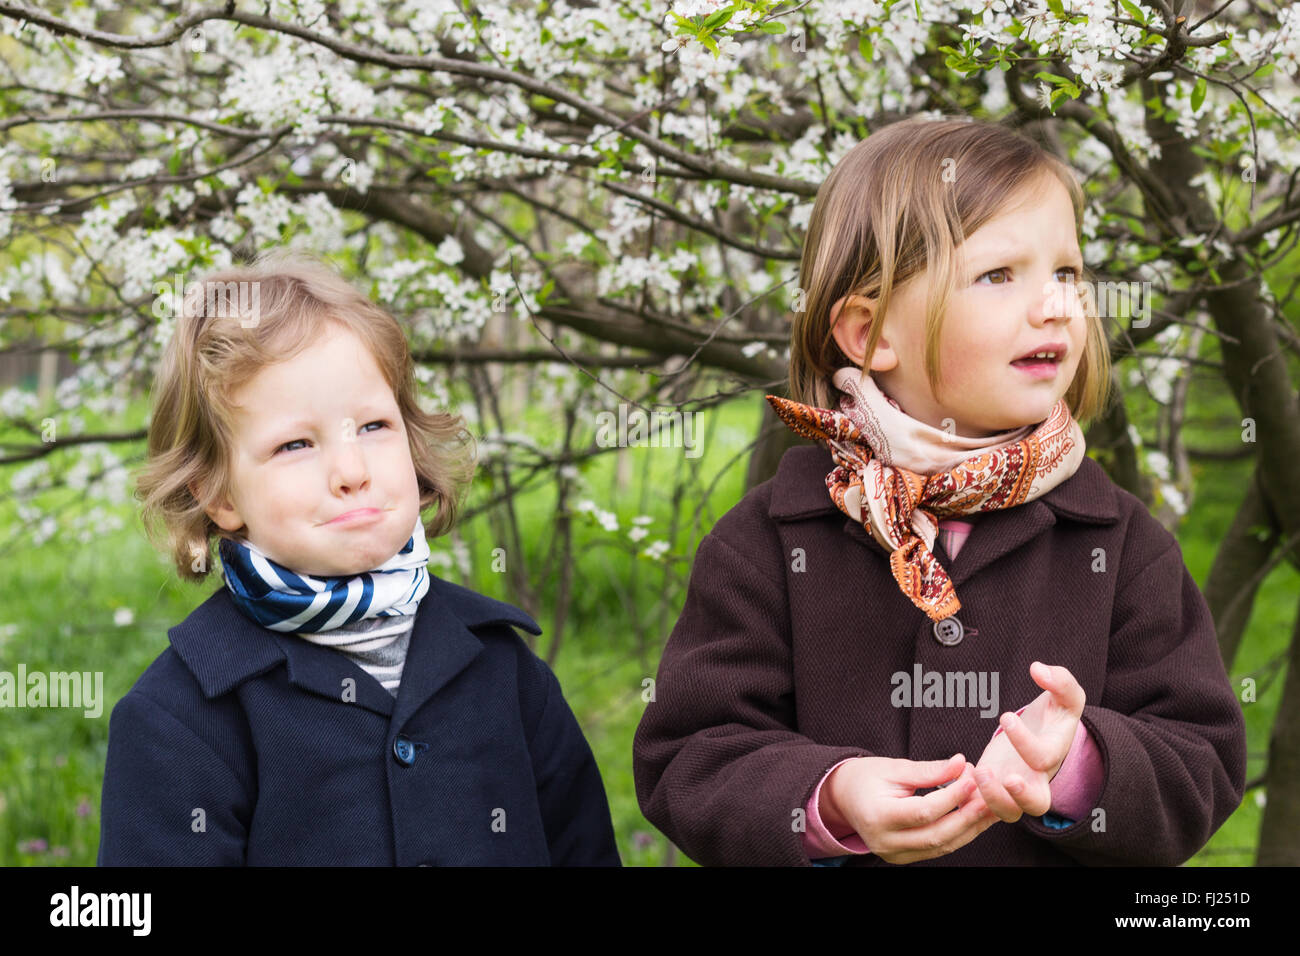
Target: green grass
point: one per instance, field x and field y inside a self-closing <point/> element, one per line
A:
<point x="59" y="601"/>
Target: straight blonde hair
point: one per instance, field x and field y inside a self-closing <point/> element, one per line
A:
<point x="214" y="352"/>
<point x="889" y="211"/>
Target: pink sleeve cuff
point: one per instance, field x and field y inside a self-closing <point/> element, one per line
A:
<point x="1077" y="784"/>
<point x="819" y="842"/>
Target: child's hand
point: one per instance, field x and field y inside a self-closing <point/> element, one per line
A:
<point x="1015" y="771"/>
<point x="875" y="796"/>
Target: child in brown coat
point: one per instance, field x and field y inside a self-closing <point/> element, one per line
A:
<point x="819" y="693"/>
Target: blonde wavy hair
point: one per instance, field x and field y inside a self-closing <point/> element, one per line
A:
<point x="213" y="352"/>
<point x="887" y="212"/>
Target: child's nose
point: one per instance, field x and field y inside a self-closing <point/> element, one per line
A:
<point x="1057" y="303"/>
<point x="349" y="468"/>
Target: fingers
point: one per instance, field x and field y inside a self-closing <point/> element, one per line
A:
<point x="1000" y="801"/>
<point x="1061" y="684"/>
<point x="1014" y="796"/>
<point x="927" y="773"/>
<point x="1035" y="752"/>
<point x="918" y="811"/>
<point x="951" y="832"/>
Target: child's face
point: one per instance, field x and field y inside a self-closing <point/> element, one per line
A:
<point x="326" y="405"/>
<point x="1010" y="297"/>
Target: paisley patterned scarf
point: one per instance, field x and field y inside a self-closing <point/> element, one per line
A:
<point x="910" y="474"/>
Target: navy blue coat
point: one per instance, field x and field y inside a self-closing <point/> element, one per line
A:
<point x="237" y="746"/>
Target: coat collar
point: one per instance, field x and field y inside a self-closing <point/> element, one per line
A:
<point x="799" y="491"/>
<point x="223" y="648"/>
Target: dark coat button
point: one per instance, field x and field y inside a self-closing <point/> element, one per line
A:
<point x="949" y="631"/>
<point x="406" y="750"/>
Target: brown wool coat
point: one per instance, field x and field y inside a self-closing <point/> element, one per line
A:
<point x="772" y="675"/>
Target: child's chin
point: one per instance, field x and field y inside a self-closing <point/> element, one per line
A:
<point x="339" y="571"/>
<point x="1019" y="418"/>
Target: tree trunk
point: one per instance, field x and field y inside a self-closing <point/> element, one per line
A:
<point x="1109" y="436"/>
<point x="1240" y="565"/>
<point x="1279" y="833"/>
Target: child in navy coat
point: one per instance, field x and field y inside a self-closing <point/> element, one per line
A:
<point x="333" y="703"/>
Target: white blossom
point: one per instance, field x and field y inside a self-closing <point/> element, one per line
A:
<point x="95" y="68"/>
<point x="656" y="549"/>
<point x="450" y="251"/>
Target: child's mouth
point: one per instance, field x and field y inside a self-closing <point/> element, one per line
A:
<point x="361" y="516"/>
<point x="1041" y="364"/>
<point x="1036" y="368"/>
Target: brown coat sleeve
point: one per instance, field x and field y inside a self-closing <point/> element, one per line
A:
<point x="1168" y="724"/>
<point x="718" y="763"/>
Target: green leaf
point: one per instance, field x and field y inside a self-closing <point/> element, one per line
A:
<point x="772" y="26"/>
<point x="864" y="47"/>
<point x="1053" y="79"/>
<point x="1057" y="7"/>
<point x="1134" y="10"/>
<point x="719" y="18"/>
<point x="174" y="163"/>
<point x="1198" y="92"/>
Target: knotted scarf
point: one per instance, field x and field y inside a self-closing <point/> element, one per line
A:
<point x="283" y="600"/>
<point x="911" y="475"/>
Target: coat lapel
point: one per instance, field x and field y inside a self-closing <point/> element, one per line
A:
<point x="445" y="643"/>
<point x="223" y="648"/>
<point x="997" y="533"/>
<point x="324" y="671"/>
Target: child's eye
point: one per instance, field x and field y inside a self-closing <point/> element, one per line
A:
<point x="1003" y="270"/>
<point x="303" y="441"/>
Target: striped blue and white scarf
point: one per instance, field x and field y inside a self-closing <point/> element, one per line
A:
<point x="282" y="600"/>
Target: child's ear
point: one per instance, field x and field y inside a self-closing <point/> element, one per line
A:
<point x="851" y="318"/>
<point x="224" y="515"/>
